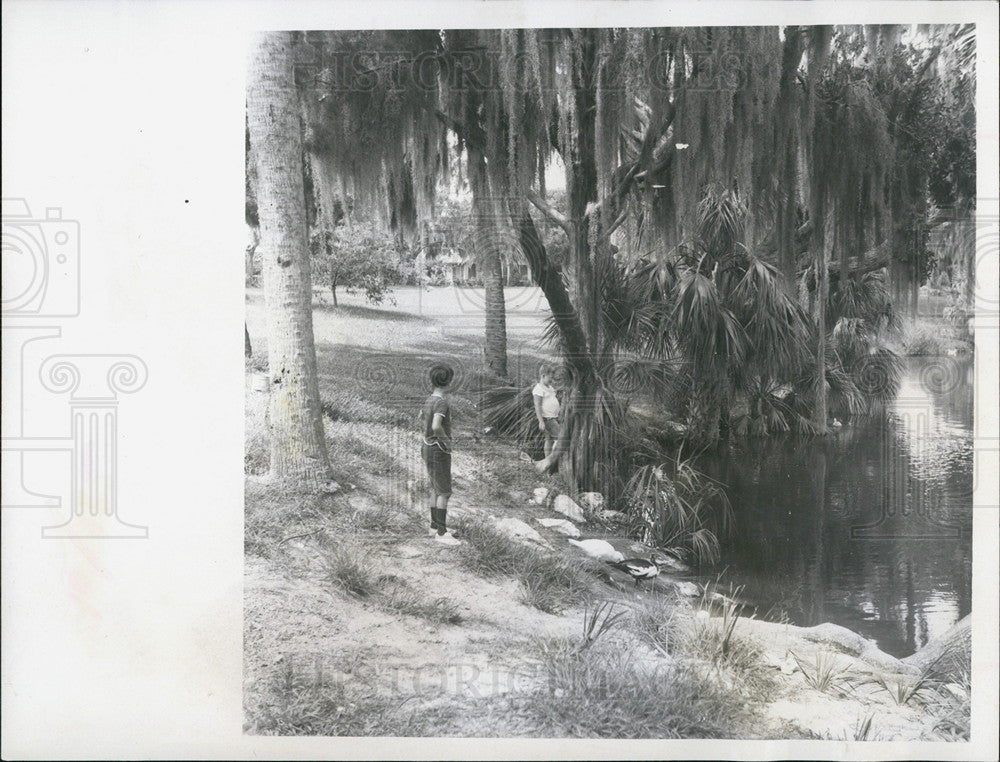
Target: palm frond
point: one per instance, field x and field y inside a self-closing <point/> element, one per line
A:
<point x="705" y="326"/>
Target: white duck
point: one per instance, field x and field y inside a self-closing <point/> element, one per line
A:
<point x="602" y="550"/>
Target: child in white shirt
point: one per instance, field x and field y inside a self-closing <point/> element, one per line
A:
<point x="546" y="410"/>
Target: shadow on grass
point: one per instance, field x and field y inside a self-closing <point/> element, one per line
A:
<point x="397" y="376"/>
<point x="370" y="313"/>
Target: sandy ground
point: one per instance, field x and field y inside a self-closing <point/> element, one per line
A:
<point x="299" y="629"/>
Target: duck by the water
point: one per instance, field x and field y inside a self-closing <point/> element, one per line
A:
<point x="602" y="550"/>
<point x="637" y="568"/>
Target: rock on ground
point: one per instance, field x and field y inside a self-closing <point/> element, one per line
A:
<point x="563" y="526"/>
<point x="517" y="528"/>
<point x="610" y="515"/>
<point x="564" y="504"/>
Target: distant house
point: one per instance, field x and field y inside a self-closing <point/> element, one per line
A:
<point x="464" y="269"/>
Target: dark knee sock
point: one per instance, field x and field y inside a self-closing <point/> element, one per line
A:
<point x="434" y="517"/>
<point x="442" y="520"/>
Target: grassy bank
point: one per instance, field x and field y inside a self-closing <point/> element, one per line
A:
<point x="938" y="329"/>
<point x="357" y="623"/>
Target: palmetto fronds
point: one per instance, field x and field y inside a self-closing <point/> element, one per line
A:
<point x="775" y="325"/>
<point x="864" y="298"/>
<point x="670" y="507"/>
<point x="706" y="327"/>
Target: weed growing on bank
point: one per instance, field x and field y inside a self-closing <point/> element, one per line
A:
<point x="549" y="581"/>
<point x="609" y="692"/>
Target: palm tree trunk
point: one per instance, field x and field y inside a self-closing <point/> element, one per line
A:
<point x="487" y="255"/>
<point x="298" y="448"/>
<point x="496" y="318"/>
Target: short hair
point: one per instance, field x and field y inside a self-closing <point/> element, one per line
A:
<point x="441" y="375"/>
<point x="546" y="367"/>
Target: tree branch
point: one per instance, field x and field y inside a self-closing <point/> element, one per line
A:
<point x="471" y="138"/>
<point x="549" y="278"/>
<point x="631" y="172"/>
<point x="875" y="258"/>
<point x="548" y="210"/>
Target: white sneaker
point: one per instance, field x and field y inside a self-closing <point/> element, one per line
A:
<point x="433" y="532"/>
<point x="448" y="539"/>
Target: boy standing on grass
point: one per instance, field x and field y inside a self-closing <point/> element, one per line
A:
<point x="436" y="417"/>
<point x="547" y="412"/>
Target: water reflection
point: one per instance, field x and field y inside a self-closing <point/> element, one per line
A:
<point x="869" y="528"/>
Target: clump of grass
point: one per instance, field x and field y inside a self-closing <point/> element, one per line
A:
<point x="609" y="693"/>
<point x="599" y="621"/>
<point x="299" y="705"/>
<point x="680" y="631"/>
<point x="551" y="583"/>
<point x="714" y="641"/>
<point x="401" y="598"/>
<point x="656" y="624"/>
<point x="487" y="551"/>
<point x="548" y="582"/>
<point x="863" y="728"/>
<point x="730" y="615"/>
<point x="926" y="339"/>
<point x="951" y="707"/>
<point x="826" y="674"/>
<point x="383" y="518"/>
<point x="257" y="440"/>
<point x="729" y="652"/>
<point x="905" y="689"/>
<point x="345" y="567"/>
<point x="274" y="513"/>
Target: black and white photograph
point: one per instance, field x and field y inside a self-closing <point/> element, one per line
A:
<point x="493" y="379"/>
<point x="611" y="382"/>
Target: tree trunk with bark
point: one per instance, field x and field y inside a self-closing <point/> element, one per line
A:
<point x="298" y="447"/>
<point x="822" y="291"/>
<point x="487" y="255"/>
<point x="817" y="238"/>
<point x="787" y="141"/>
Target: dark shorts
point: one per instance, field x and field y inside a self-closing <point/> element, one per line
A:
<point x="552" y="427"/>
<point x="438" y="464"/>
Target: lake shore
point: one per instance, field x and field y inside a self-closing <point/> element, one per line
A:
<point x="358" y="623"/>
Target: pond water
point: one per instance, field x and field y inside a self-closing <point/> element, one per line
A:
<point x="869" y="528"/>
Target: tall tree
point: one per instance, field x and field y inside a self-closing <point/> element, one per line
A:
<point x="697" y="159"/>
<point x="298" y="447"/>
<point x="487" y="254"/>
